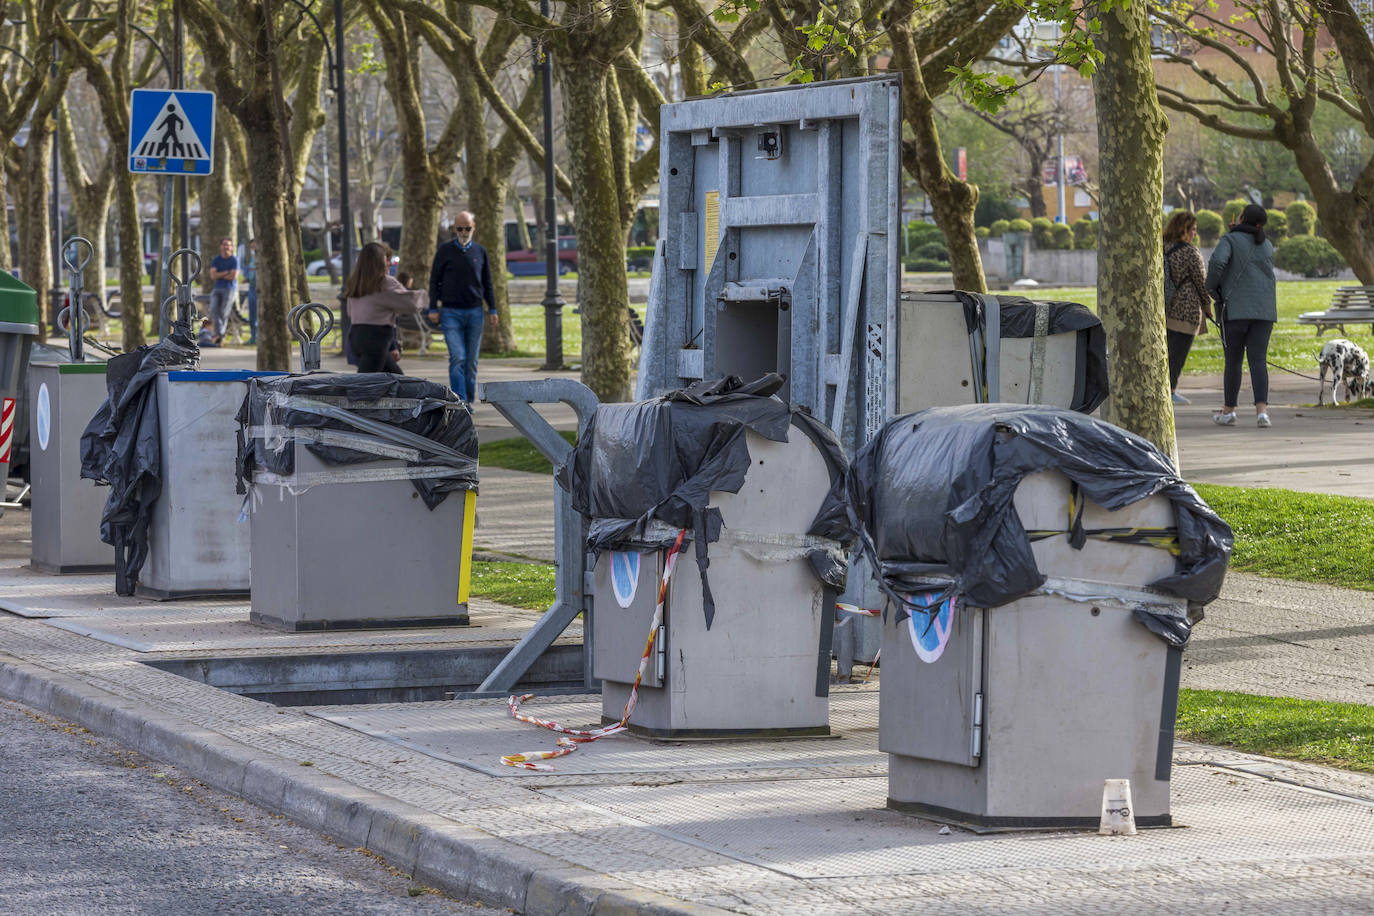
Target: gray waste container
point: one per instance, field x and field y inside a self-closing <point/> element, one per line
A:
<point x="962" y="348"/>
<point x="66" y="510"/>
<point x="1032" y="647"/>
<point x="19" y="326"/>
<point x="362" y="495"/>
<point x="745" y="647"/>
<point x="198" y="543"/>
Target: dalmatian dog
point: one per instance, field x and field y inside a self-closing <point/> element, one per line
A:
<point x="1348" y="365"/>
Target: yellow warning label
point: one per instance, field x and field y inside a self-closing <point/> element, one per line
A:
<point x="711" y="231"/>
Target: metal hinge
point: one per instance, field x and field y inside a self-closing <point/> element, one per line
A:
<point x="976" y="750"/>
<point x="661" y="653"/>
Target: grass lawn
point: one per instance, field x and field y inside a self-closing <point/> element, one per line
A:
<point x="517" y="454"/>
<point x="1286" y="534"/>
<point x="1335" y="734"/>
<point x="1293" y="345"/>
<point x="526" y="585"/>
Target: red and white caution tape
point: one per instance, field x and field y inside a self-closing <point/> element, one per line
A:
<point x="6" y="429"/>
<point x="572" y="737"/>
<point x="855" y="609"/>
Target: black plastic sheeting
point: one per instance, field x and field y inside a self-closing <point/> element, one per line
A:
<point x="932" y="492"/>
<point x="1017" y="315"/>
<point x="122" y="448"/>
<point x="659" y="461"/>
<point x="376" y="407"/>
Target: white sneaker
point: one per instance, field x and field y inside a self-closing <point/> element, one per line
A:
<point x="1262" y="421"/>
<point x="1180" y="399"/>
<point x="1224" y="419"/>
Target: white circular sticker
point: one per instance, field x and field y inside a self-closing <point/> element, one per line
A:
<point x="42" y="417"/>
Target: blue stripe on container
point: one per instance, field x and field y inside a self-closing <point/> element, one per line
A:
<point x="217" y="375"/>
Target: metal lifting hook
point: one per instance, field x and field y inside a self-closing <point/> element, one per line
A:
<point x="73" y="318"/>
<point x="183" y="297"/>
<point x="310" y="344"/>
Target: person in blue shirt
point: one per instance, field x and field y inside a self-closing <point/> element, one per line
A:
<point x="460" y="293"/>
<point x="224" y="270"/>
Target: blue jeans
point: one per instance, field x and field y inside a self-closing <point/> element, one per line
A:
<point x="463" y="336"/>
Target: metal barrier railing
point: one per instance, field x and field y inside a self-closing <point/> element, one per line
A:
<point x="72" y="319"/>
<point x="182" y="296"/>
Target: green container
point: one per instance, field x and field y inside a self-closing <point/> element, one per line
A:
<point x="19" y="325"/>
<point x="18" y="305"/>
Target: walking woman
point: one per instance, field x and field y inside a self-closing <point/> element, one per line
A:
<point x="1240" y="277"/>
<point x="375" y="299"/>
<point x="1186" y="314"/>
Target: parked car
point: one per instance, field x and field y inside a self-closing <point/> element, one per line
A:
<point x="320" y="268"/>
<point x="529" y="262"/>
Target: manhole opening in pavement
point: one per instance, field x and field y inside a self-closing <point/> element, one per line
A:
<point x="407" y="676"/>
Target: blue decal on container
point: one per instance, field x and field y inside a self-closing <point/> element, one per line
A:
<point x="930" y="635"/>
<point x="625" y="575"/>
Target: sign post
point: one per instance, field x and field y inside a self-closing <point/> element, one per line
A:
<point x="171" y="132"/>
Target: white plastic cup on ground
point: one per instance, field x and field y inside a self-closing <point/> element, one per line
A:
<point x="1117" y="817"/>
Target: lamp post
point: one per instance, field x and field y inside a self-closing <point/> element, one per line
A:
<point x="553" y="299"/>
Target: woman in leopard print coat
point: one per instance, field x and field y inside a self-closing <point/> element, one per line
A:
<point x="1185" y="316"/>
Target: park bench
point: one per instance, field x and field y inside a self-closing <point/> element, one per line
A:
<point x="1349" y="305"/>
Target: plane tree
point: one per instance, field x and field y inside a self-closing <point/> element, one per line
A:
<point x="1275" y="95"/>
<point x="254" y="54"/>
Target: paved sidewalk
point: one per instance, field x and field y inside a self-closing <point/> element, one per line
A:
<point x="750" y="827"/>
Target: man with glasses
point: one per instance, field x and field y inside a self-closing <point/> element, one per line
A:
<point x="460" y="293"/>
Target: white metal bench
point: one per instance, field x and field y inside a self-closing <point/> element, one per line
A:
<point x="1349" y="305"/>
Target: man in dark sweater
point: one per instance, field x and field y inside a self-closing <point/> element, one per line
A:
<point x="459" y="294"/>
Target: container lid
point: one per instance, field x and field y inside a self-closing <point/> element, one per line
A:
<point x="18" y="301"/>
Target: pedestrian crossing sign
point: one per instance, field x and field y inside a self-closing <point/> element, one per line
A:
<point x="171" y="132"/>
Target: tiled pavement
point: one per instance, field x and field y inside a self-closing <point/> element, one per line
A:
<point x="757" y="827"/>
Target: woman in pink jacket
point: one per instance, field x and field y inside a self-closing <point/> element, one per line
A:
<point x="375" y="298"/>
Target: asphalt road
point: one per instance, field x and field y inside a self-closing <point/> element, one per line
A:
<point x="87" y="827"/>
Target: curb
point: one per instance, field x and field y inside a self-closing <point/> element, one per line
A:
<point x="464" y="862"/>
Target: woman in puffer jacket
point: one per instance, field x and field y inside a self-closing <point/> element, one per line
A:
<point x="1186" y="314"/>
<point x="1240" y="276"/>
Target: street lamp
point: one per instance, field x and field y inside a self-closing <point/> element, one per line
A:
<point x="553" y="300"/>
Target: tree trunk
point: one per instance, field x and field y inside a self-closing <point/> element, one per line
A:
<point x="219" y="206"/>
<point x="130" y="231"/>
<point x="421" y="200"/>
<point x="953" y="201"/>
<point x="522" y="228"/>
<point x="602" y="288"/>
<point x="1347" y="217"/>
<point x="1130" y="284"/>
<point x="35" y="228"/>
<point x="1034" y="190"/>
<point x="274" y="276"/>
<point x="6" y="258"/>
<point x="488" y="197"/>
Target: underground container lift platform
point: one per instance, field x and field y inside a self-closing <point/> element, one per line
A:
<point x="360" y="491"/>
<point x="172" y="511"/>
<point x="65" y="509"/>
